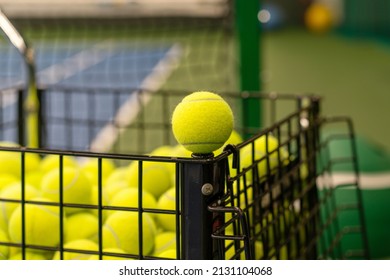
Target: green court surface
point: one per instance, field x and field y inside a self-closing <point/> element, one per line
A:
<point x="351" y="75"/>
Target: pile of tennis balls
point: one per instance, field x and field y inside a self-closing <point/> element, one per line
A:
<point x="80" y="223"/>
<point x="197" y="129"/>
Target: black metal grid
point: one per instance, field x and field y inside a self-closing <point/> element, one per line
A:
<point x="270" y="207"/>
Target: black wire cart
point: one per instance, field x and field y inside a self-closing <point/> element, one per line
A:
<point x="239" y="203"/>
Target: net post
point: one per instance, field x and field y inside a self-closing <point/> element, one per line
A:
<point x="248" y="38"/>
<point x="310" y="106"/>
<point x="202" y="183"/>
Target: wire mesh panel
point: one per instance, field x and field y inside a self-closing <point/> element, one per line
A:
<point x="267" y="197"/>
<point x="284" y="203"/>
<point x="143" y="44"/>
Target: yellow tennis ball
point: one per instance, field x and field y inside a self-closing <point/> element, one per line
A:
<point x="166" y="151"/>
<point x="82" y="225"/>
<point x="110" y="190"/>
<point x="10" y="164"/>
<point x="129" y="198"/>
<point x="180" y="151"/>
<point x="4" y="250"/>
<point x="119" y="174"/>
<point x="76" y="187"/>
<point x="50" y="162"/>
<point x="263" y="150"/>
<point x="168" y="254"/>
<point x="259" y="250"/>
<point x="6" y="179"/>
<point x="167" y="202"/>
<point x="231" y="251"/>
<point x="318" y="18"/>
<point x="202" y="122"/>
<point x="110" y="250"/>
<point x="234" y="139"/>
<point x="34" y="178"/>
<point x="41" y="222"/>
<point x="121" y="230"/>
<point x="164" y="241"/>
<point x="32" y="162"/>
<point x="13" y="191"/>
<point x="79" y="244"/>
<point x="28" y="256"/>
<point x="11" y="161"/>
<point x="91" y="169"/>
<point x="156" y="177"/>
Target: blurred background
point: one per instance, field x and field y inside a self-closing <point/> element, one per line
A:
<point x="338" y="49"/>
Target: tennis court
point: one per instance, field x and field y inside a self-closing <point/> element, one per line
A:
<point x="100" y="65"/>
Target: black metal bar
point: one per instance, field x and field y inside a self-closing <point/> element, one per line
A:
<point x="42" y="130"/>
<point x="359" y="191"/>
<point x="61" y="202"/>
<point x="100" y="208"/>
<point x="202" y="184"/>
<point x="23" y="205"/>
<point x="21" y="119"/>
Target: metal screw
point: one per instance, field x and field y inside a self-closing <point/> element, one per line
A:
<point x="207" y="189"/>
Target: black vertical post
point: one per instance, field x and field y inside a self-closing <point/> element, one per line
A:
<point x="312" y="147"/>
<point x="41" y="119"/>
<point x="21" y="119"/>
<point x="203" y="183"/>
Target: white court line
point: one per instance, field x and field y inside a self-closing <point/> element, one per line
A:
<point x="65" y="69"/>
<point x="367" y="181"/>
<point x="76" y="63"/>
<point x="107" y="136"/>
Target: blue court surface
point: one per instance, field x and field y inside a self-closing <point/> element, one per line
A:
<point x="75" y="118"/>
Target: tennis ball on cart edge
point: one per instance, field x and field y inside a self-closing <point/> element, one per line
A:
<point x="202" y="122"/>
<point x="79" y="244"/>
<point x="167" y="201"/>
<point x="41" y="224"/>
<point x="4" y="250"/>
<point x="76" y="187"/>
<point x="121" y="230"/>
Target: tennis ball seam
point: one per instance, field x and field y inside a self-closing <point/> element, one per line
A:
<point x="199" y="100"/>
<point x="114" y="235"/>
<point x="200" y="143"/>
<point x="65" y="187"/>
